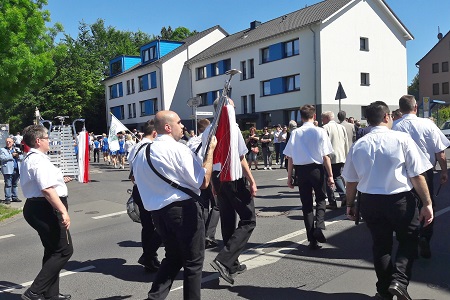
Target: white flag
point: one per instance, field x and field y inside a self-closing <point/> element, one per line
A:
<point x="116" y="126"/>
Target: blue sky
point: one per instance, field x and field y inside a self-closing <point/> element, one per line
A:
<point x="421" y="17"/>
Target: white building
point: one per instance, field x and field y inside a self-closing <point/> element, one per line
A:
<point x="295" y="59"/>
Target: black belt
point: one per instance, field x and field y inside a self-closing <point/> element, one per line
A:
<point x="44" y="199"/>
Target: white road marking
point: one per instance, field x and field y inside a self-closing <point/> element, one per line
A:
<point x="6" y="236"/>
<point x="110" y="215"/>
<point x="28" y="283"/>
<point x="284" y="178"/>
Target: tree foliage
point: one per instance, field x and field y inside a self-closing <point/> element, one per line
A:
<point x="413" y="89"/>
<point x="25" y="47"/>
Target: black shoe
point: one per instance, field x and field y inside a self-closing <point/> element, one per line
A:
<point x="240" y="269"/>
<point x="16" y="200"/>
<point x="397" y="290"/>
<point x="424" y="248"/>
<point x="7" y="201"/>
<point x="29" y="295"/>
<point x="318" y="235"/>
<point x="314" y="245"/>
<point x="210" y="243"/>
<point x="382" y="297"/>
<point x="60" y="297"/>
<point x="223" y="271"/>
<point x="150" y="266"/>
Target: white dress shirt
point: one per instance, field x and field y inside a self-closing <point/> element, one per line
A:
<point x="172" y="160"/>
<point x="38" y="173"/>
<point x="382" y="162"/>
<point x="425" y="133"/>
<point x="308" y="144"/>
<point x="135" y="148"/>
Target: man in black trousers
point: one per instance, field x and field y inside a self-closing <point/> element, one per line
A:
<point x="384" y="166"/>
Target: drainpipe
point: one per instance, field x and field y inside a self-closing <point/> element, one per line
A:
<point x="161" y="88"/>
<point x="315" y="65"/>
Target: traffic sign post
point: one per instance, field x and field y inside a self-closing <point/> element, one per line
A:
<point x="194" y="103"/>
<point x="340" y="94"/>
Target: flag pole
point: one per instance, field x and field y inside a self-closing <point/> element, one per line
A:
<point x="125" y="126"/>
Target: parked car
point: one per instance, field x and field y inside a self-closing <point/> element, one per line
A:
<point x="445" y="128"/>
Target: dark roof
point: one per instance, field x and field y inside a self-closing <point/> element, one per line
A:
<point x="186" y="42"/>
<point x="281" y="25"/>
<point x="417" y="63"/>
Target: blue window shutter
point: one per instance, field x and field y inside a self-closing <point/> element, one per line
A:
<point x="148" y="107"/>
<point x="209" y="98"/>
<point x="116" y="111"/>
<point x="153" y="80"/>
<point x="221" y="67"/>
<point x="209" y="70"/>
<point x="120" y="89"/>
<point x="276" y="51"/>
<point x="114" y="92"/>
<point x="276" y="86"/>
<point x="145" y="82"/>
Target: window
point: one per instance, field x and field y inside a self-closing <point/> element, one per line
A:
<point x="116" y="67"/>
<point x="146" y="82"/>
<point x="266" y="88"/>
<point x="292" y="83"/>
<point x="251" y="67"/>
<point x="265" y="55"/>
<point x="435" y="88"/>
<point x="243" y="70"/>
<point x="201" y="73"/>
<point x="149" y="53"/>
<point x="252" y="103"/>
<point x="214" y="69"/>
<point x="116" y="90"/>
<point x="132" y="86"/>
<point x="435" y="68"/>
<point x="363" y="44"/>
<point x="118" y="112"/>
<point x="365" y="79"/>
<point x="204" y="100"/>
<point x="445" y="66"/>
<point x="445" y="88"/>
<point x="131" y="110"/>
<point x="148" y="107"/>
<point x="244" y="104"/>
<point x="363" y="112"/>
<point x="291" y="48"/>
<point x="226" y="65"/>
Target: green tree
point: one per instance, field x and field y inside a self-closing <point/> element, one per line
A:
<point x="26" y="59"/>
<point x="413" y="89"/>
<point x="180" y="33"/>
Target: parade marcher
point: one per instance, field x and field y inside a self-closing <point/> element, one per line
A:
<point x="282" y="139"/>
<point x="432" y="143"/>
<point x="105" y="149"/>
<point x="10" y="158"/>
<point x="276" y="143"/>
<point x="177" y="216"/>
<point x="308" y="150"/>
<point x="339" y="140"/>
<point x="96" y="150"/>
<point x="46" y="211"/>
<point x="150" y="239"/>
<point x="351" y="133"/>
<point x="384" y="166"/>
<point x="210" y="206"/>
<point x="233" y="195"/>
<point x="292" y="125"/>
<point x="266" y="142"/>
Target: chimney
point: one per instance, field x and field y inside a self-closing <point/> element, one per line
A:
<point x="254" y="24"/>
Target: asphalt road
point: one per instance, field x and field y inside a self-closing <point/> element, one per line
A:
<point x="280" y="265"/>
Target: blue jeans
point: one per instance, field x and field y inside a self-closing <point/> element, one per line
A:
<point x="11" y="184"/>
<point x="282" y="146"/>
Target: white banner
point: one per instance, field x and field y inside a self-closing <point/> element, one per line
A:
<point x="116" y="126"/>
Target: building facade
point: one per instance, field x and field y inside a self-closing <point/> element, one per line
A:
<point x="434" y="75"/>
<point x="298" y="59"/>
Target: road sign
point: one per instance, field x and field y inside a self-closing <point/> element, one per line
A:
<point x="205" y="113"/>
<point x="340" y="94"/>
<point x="194" y="102"/>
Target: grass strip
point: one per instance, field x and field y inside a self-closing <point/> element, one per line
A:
<point x="7" y="212"/>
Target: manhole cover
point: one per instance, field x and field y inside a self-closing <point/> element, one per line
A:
<point x="271" y="214"/>
<point x="91" y="212"/>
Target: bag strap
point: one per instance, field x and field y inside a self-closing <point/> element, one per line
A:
<point x="139" y="149"/>
<point x="198" y="148"/>
<point x="170" y="182"/>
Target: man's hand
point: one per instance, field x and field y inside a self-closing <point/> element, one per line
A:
<point x="65" y="220"/>
<point x="213" y="142"/>
<point x="426" y="215"/>
<point x="444" y="176"/>
<point x="351" y="213"/>
<point x="253" y="189"/>
<point x="330" y="182"/>
<point x="289" y="182"/>
<point x="67" y="179"/>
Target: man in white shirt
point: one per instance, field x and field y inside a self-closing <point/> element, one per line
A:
<point x="351" y="133"/>
<point x="432" y="142"/>
<point x="150" y="239"/>
<point x="339" y="140"/>
<point x="308" y="149"/>
<point x="276" y="142"/>
<point x="177" y="217"/>
<point x="384" y="166"/>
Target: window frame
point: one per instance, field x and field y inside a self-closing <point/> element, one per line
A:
<point x="444" y="66"/>
<point x="435" y="68"/>
<point x="201" y="71"/>
<point x="263" y="86"/>
<point x="265" y="55"/>
<point x="364" y="44"/>
<point x="445" y="88"/>
<point x="294" y="81"/>
<point x="292" y="45"/>
<point x="142" y="107"/>
<point x="366" y="81"/>
<point x="435" y="89"/>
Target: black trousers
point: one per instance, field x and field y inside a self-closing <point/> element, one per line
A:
<point x="182" y="230"/>
<point x="427" y="232"/>
<point x="56" y="240"/>
<point x="385" y="214"/>
<point x="312" y="177"/>
<point x="150" y="239"/>
<point x="210" y="212"/>
<point x="96" y="155"/>
<point x="234" y="197"/>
